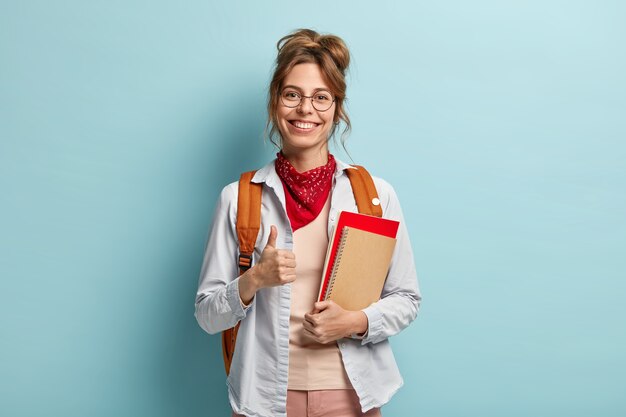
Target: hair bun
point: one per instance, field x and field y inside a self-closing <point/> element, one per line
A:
<point x="337" y="49"/>
<point x="311" y="40"/>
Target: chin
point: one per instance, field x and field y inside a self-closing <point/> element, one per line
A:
<point x="296" y="141"/>
<point x="303" y="142"/>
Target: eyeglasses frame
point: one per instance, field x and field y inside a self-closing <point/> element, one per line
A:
<point x="302" y="96"/>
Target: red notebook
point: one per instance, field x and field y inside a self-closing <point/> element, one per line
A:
<point x="365" y="222"/>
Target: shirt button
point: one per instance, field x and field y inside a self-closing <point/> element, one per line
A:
<point x="375" y="201"/>
<point x="343" y="345"/>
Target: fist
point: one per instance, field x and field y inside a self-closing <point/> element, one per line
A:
<point x="329" y="322"/>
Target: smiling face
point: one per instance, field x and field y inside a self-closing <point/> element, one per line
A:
<point x="303" y="128"/>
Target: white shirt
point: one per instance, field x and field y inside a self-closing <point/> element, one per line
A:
<point x="257" y="383"/>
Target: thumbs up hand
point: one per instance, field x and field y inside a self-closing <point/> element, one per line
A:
<point x="276" y="266"/>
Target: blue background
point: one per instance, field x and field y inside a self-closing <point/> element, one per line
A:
<point x="500" y="124"/>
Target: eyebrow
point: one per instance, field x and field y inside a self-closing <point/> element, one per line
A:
<point x="298" y="88"/>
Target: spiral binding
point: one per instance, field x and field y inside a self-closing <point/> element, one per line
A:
<point x="342" y="242"/>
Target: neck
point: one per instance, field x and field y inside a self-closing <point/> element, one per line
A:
<point x="305" y="160"/>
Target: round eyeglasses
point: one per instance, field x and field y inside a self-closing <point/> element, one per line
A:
<point x="321" y="100"/>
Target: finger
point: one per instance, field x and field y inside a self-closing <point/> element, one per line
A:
<point x="271" y="241"/>
<point x="306" y="325"/>
<point x="322" y="305"/>
<point x="311" y="335"/>
<point x="287" y="254"/>
<point x="285" y="270"/>
<point x="308" y="318"/>
<point x="316" y="309"/>
<point x="290" y="263"/>
<point x="289" y="278"/>
<point x="313" y="331"/>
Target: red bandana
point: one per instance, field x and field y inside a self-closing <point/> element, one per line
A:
<point x="305" y="192"/>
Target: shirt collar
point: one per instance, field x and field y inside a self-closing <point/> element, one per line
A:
<point x="268" y="172"/>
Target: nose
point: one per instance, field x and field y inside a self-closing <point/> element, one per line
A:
<point x="305" y="106"/>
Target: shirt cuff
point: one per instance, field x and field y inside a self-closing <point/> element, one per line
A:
<point x="237" y="306"/>
<point x="374" y="324"/>
<point x="246" y="307"/>
<point x="358" y="336"/>
<point x="364" y="335"/>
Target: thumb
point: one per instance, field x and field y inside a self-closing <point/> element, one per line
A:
<point x="271" y="241"/>
<point x="321" y="306"/>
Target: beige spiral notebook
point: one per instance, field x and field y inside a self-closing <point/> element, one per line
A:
<point x="360" y="268"/>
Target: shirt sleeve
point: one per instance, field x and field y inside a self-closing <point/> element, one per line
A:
<point x="218" y="304"/>
<point x="400" y="299"/>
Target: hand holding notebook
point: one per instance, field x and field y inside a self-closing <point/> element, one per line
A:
<point x="358" y="259"/>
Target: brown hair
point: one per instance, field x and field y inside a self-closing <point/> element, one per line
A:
<point x="307" y="46"/>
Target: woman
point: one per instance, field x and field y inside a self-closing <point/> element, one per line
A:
<point x="295" y="356"/>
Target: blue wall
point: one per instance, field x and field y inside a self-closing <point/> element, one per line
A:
<point x="501" y="125"/>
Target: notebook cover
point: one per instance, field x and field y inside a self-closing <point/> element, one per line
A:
<point x="360" y="269"/>
<point x="365" y="222"/>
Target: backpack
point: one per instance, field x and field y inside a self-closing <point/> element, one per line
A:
<point x="249" y="223"/>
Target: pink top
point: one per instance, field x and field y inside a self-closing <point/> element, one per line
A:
<point x="312" y="365"/>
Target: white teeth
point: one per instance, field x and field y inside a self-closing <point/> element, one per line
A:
<point x="304" y="125"/>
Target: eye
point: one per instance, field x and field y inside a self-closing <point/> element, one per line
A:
<point x="323" y="96"/>
<point x="291" y="94"/>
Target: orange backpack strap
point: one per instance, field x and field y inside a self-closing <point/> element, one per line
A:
<point x="364" y="191"/>
<point x="248" y="225"/>
<point x="248" y="218"/>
